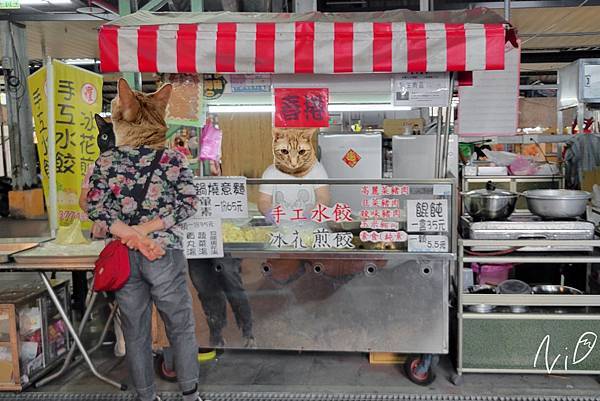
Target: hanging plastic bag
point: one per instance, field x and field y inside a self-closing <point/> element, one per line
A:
<point x="71" y="235"/>
<point x="210" y="143"/>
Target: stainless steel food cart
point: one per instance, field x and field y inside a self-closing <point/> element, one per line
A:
<point x="392" y="299"/>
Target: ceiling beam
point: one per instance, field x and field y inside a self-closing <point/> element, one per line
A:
<point x="23" y="17"/>
<point x="561" y="56"/>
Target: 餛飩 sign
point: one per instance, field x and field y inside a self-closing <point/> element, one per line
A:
<point x="202" y="238"/>
<point x="222" y="197"/>
<point x="430" y="215"/>
<point x="301" y="107"/>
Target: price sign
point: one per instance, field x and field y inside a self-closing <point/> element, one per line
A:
<point x="429" y="215"/>
<point x="427" y="243"/>
<point x="202" y="238"/>
<point x="224" y="197"/>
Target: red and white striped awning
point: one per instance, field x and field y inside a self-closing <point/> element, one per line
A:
<point x="314" y="43"/>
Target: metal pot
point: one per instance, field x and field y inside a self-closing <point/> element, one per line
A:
<point x="490" y="203"/>
<point x="556" y="290"/>
<point x="481" y="289"/>
<point x="557" y="203"/>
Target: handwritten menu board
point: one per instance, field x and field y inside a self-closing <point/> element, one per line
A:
<point x="202" y="238"/>
<point x="222" y="197"/>
<point x="427" y="215"/>
<point x="218" y="198"/>
<point x="381" y="211"/>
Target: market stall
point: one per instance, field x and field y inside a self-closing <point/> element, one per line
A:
<point x="350" y="261"/>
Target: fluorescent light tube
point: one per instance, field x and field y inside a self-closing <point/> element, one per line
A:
<point x="332" y="107"/>
<point x="40" y="2"/>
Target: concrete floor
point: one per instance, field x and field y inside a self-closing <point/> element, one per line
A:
<point x="254" y="371"/>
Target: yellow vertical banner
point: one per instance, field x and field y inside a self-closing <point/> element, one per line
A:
<point x="77" y="97"/>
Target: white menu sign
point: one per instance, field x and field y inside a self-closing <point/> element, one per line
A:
<point x="429" y="215"/>
<point x="420" y="89"/>
<point x="202" y="238"/>
<point x="427" y="243"/>
<point x="222" y="197"/>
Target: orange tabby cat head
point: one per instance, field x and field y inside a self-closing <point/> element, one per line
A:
<point x="293" y="151"/>
<point x="139" y="118"/>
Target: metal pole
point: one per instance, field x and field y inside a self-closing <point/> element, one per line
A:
<point x="197" y="5"/>
<point x="444" y="163"/>
<point x="67" y="322"/>
<point x="438" y="143"/>
<point x="507" y="10"/>
<point x="52" y="189"/>
<point x="424" y="5"/>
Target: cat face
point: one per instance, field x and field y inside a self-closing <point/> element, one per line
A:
<point x="106" y="135"/>
<point x="293" y="152"/>
<point x="139" y="118"/>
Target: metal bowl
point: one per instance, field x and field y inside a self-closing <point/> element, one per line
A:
<point x="557" y="203"/>
<point x="490" y="203"/>
<point x="481" y="289"/>
<point x="556" y="290"/>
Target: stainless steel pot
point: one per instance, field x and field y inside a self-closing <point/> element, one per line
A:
<point x="481" y="289"/>
<point x="557" y="203"/>
<point x="490" y="203"/>
<point x="555" y="290"/>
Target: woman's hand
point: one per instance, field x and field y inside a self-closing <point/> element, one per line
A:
<point x="136" y="239"/>
<point x="99" y="230"/>
<point x="146" y="246"/>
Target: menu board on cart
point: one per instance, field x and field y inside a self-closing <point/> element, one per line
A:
<point x="222" y="197"/>
<point x="427" y="243"/>
<point x="202" y="238"/>
<point x="427" y="215"/>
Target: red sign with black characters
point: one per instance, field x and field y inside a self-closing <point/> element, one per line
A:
<point x="301" y="107"/>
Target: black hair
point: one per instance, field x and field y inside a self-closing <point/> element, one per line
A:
<point x="106" y="136"/>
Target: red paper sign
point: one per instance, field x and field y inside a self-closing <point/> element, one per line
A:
<point x="301" y="107"/>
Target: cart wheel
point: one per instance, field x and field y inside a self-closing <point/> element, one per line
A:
<point x="411" y="369"/>
<point x="457" y="379"/>
<point x="163" y="371"/>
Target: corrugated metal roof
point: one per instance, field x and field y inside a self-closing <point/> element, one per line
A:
<point x="551" y="20"/>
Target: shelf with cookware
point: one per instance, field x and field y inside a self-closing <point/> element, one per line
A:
<point x="525" y="299"/>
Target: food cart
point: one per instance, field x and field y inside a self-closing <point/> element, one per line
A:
<point x="373" y="272"/>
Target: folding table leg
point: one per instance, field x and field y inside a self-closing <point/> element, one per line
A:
<point x="76" y="339"/>
<point x="69" y="357"/>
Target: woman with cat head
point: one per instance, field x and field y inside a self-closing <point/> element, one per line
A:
<point x="142" y="192"/>
<point x="294" y="157"/>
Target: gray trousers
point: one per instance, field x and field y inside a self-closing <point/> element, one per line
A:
<point x="163" y="282"/>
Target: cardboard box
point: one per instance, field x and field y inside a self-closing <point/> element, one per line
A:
<point x="27" y="204"/>
<point x="590" y="178"/>
<point x="393" y="127"/>
<point x="6" y="372"/>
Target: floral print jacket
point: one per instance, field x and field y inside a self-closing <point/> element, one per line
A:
<point x="121" y="173"/>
